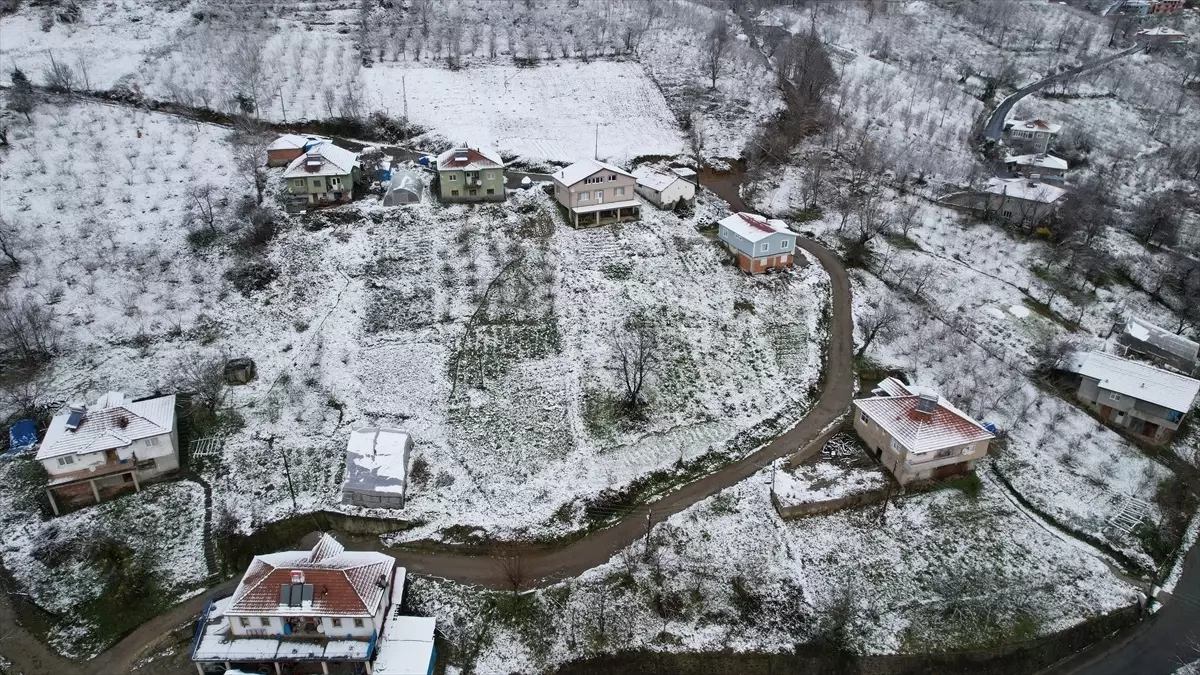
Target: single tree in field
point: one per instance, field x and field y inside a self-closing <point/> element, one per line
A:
<point x="202" y="200"/>
<point x="878" y="322"/>
<point x="250" y="156"/>
<point x="21" y="97"/>
<point x="11" y="242"/>
<point x="717" y="44"/>
<point x="636" y="345"/>
<point x="1156" y="220"/>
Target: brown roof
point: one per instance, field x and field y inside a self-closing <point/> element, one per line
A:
<point x="946" y="427"/>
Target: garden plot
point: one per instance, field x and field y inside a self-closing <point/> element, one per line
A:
<point x="842" y="470"/>
<point x="551" y="112"/>
<point x="102" y="570"/>
<point x="936" y="571"/>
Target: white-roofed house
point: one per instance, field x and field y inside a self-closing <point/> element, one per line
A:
<point x="1046" y="167"/>
<point x="1145" y="340"/>
<point x="99" y="450"/>
<point x="664" y="189"/>
<point x="596" y="193"/>
<point x="1032" y="134"/>
<point x="376" y="468"/>
<point x="1148" y="402"/>
<point x="760" y="244"/>
<point x="324" y="174"/>
<point x="917" y="435"/>
<point x="1021" y="201"/>
<point x="467" y="174"/>
<point x="287" y="147"/>
<point x="320" y="606"/>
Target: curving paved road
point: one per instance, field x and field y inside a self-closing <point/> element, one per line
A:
<point x="994" y="128"/>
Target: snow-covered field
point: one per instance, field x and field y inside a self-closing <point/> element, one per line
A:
<point x="934" y="571"/>
<point x="561" y="111"/>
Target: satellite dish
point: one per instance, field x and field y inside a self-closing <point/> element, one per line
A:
<point x="320" y="628"/>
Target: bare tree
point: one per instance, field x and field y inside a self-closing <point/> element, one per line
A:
<point x="203" y="375"/>
<point x="59" y="76"/>
<point x="906" y="216"/>
<point x="202" y="200"/>
<point x="250" y="157"/>
<point x="11" y="242"/>
<point x="1156" y="220"/>
<point x="636" y="345"/>
<point x="21" y="97"/>
<point x="878" y="322"/>
<point x="245" y="62"/>
<point x="29" y="330"/>
<point x="515" y="571"/>
<point x="717" y="44"/>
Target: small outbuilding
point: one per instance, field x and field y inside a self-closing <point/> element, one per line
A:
<point x="239" y="371"/>
<point x="1138" y="337"/>
<point x="664" y="189"/>
<point x="406" y="188"/>
<point x="376" y="468"/>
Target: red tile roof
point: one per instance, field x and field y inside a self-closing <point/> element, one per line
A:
<point x="344" y="583"/>
<point x="947" y="427"/>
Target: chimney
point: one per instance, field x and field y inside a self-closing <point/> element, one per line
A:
<point x="297" y="576"/>
<point x="1032" y="183"/>
<point x="926" y="405"/>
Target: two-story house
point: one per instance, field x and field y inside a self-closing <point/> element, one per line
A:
<point x="1035" y="135"/>
<point x="1021" y="201"/>
<point x="1146" y="401"/>
<point x="468" y="174"/>
<point x="96" y="451"/>
<point x="1037" y="167"/>
<point x="760" y="244"/>
<point x="596" y="193"/>
<point x="324" y="174"/>
<point x="320" y="606"/>
<point x="916" y="434"/>
<point x="288" y="147"/>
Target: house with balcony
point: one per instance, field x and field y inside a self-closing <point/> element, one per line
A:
<point x="1149" y="403"/>
<point x="323" y="610"/>
<point x="324" y="174"/>
<point x="759" y="244"/>
<point x="1037" y="167"/>
<point x="918" y="435"/>
<point x="288" y="147"/>
<point x="596" y="193"/>
<point x="467" y="174"/>
<point x="117" y="443"/>
<point x="1035" y="135"/>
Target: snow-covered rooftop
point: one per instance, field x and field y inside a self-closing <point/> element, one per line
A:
<point x="406" y="179"/>
<point x="945" y="427"/>
<point x="1044" y="161"/>
<point x="605" y="206"/>
<point x="294" y="142"/>
<point x="343" y="583"/>
<point x="683" y="171"/>
<point x="377" y="460"/>
<point x="468" y="159"/>
<point x="325" y="159"/>
<point x="406" y="646"/>
<point x="1161" y="31"/>
<point x="1143" y="331"/>
<point x="655" y="179"/>
<point x="1034" y="125"/>
<point x="753" y="227"/>
<point x="1020" y="188"/>
<point x="113" y="422"/>
<point x="583" y="168"/>
<point x="1137" y="380"/>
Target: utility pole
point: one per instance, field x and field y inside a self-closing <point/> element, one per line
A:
<point x="596" y="152"/>
<point x="649" y="513"/>
<point x="282" y="106"/>
<point x="287" y="470"/>
<point x="404" y="93"/>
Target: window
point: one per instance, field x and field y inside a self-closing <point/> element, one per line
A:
<point x="613" y="177"/>
<point x="897" y="446"/>
<point x="785" y="244"/>
<point x="266" y="622"/>
<point x="473" y="192"/>
<point x="299" y="182"/>
<point x="490" y="175"/>
<point x="452" y="177"/>
<point x="316" y="182"/>
<point x="335" y="181"/>
<point x="946" y="452"/>
<point x="358" y="623"/>
<point x="599" y="195"/>
<point x="1120" y="413"/>
<point x="863" y="416"/>
<point x="337" y="623"/>
<point x="766" y="247"/>
<point x="619" y="192"/>
<point x="1007" y="213"/>
<point x="152" y="441"/>
<point x="454" y="193"/>
<point x="583" y="196"/>
<point x="491" y="191"/>
<point x="244" y="621"/>
<point x="1114" y="396"/>
<point x="64" y="461"/>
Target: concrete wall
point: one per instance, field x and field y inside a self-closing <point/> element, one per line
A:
<point x="830" y="505"/>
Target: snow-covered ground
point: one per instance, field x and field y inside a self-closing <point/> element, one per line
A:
<point x="563" y="111"/>
<point x="933" y="571"/>
<point x="841" y="470"/>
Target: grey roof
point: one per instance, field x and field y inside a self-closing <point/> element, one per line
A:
<point x="404" y="179"/>
<point x="1143" y="331"/>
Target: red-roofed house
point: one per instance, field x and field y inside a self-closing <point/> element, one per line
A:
<point x="759" y="244"/>
<point x="322" y="605"/>
<point x="112" y="445"/>
<point x="468" y="174"/>
<point x="917" y="435"/>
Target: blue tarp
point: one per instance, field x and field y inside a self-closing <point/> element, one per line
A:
<point x="22" y="436"/>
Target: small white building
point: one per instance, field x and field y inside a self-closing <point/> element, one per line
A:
<point x="1035" y="167"/>
<point x="664" y="188"/>
<point x="760" y="244"/>
<point x="376" y="468"/>
<point x="406" y="647"/>
<point x="103" y="449"/>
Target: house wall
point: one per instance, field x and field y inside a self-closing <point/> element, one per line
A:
<point x="453" y="185"/>
<point x="680" y="189"/>
<point x="165" y="455"/>
<point x="322" y="188"/>
<point x="283" y="157"/>
<point x="275" y="627"/>
<point x="1035" y="140"/>
<point x="764" y="264"/>
<point x="1128" y="412"/>
<point x="372" y="499"/>
<point x="1034" y="170"/>
<point x="1018" y="210"/>
<point x="908" y="467"/>
<point x="780" y="242"/>
<point x="614" y="187"/>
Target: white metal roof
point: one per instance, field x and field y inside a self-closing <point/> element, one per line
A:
<point x="1044" y="161"/>
<point x="335" y="161"/>
<point x="1144" y="331"/>
<point x="114" y="421"/>
<point x="1034" y="125"/>
<point x="1161" y="31"/>
<point x="583" y="168"/>
<point x="1020" y="188"/>
<point x="753" y="227"/>
<point x="406" y="646"/>
<point x="1137" y="380"/>
<point x="294" y="142"/>
<point x="655" y="179"/>
<point x="683" y="171"/>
